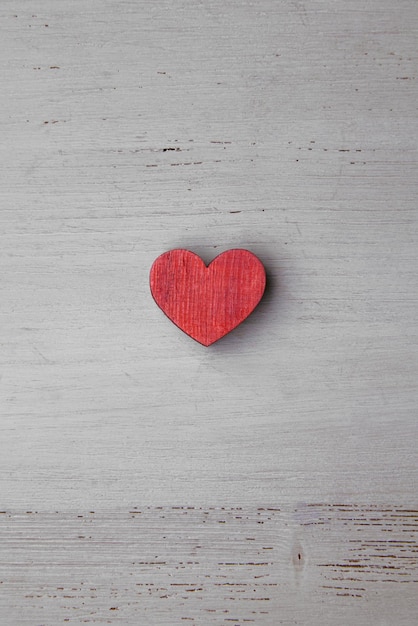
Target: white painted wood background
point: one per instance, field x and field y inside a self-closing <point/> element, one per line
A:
<point x="272" y="478"/>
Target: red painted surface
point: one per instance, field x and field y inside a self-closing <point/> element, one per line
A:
<point x="207" y="302"/>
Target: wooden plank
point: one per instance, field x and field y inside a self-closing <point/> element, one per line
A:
<point x="211" y="565"/>
<point x="286" y="128"/>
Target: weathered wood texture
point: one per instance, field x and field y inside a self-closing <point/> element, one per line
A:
<point x="284" y="127"/>
<point x="207" y="302"/>
<point x="315" y="564"/>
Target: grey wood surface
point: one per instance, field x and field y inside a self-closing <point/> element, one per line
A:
<point x="271" y="478"/>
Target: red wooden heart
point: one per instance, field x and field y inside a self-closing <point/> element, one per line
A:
<point x="207" y="302"/>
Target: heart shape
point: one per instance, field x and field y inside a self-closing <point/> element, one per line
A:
<point x="207" y="302"/>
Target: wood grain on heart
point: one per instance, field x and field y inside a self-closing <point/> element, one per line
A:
<point x="207" y="302"/>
